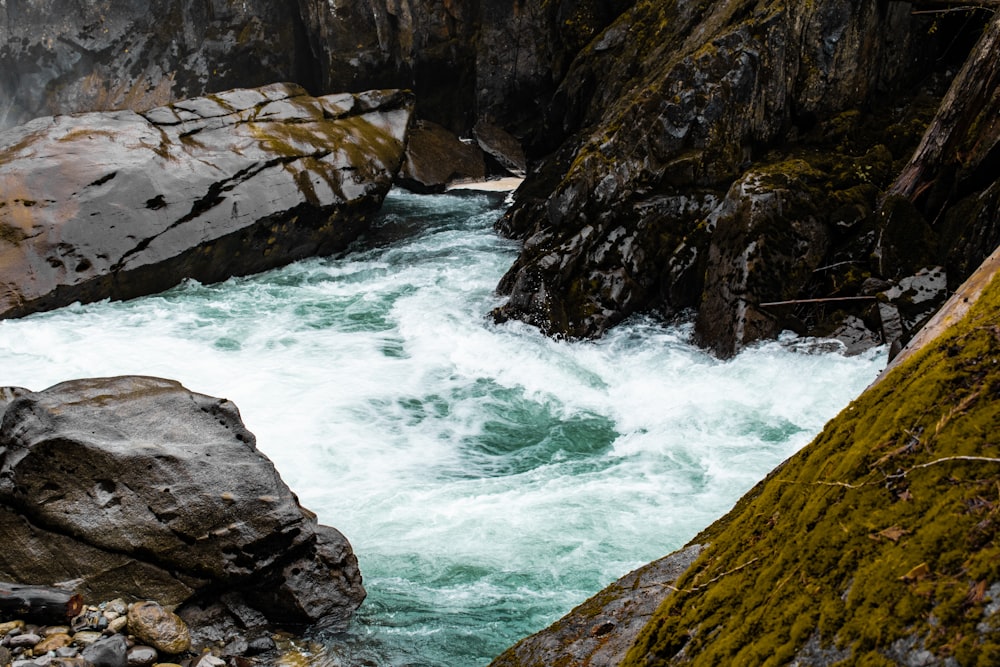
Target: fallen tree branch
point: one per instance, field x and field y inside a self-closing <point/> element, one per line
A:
<point x="695" y="589"/>
<point x="41" y="603"/>
<point x="795" y="302"/>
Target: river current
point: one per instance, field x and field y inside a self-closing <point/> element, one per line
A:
<point x="489" y="478"/>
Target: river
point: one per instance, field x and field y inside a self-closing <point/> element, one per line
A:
<point x="489" y="478"/>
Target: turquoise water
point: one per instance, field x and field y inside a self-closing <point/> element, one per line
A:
<point x="490" y="479"/>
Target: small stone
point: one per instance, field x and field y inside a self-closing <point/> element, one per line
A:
<point x="50" y="630"/>
<point x="24" y="663"/>
<point x="117" y="625"/>
<point x="26" y="640"/>
<point x="88" y="620"/>
<point x="86" y="637"/>
<point x="53" y="642"/>
<point x="261" y="644"/>
<point x="141" y="656"/>
<point x="161" y="629"/>
<point x="5" y="628"/>
<point x="118" y="606"/>
<point x="69" y="662"/>
<point x="67" y="652"/>
<point x="108" y="652"/>
<point x="209" y="660"/>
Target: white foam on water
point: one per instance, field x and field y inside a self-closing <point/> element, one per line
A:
<point x="487" y="476"/>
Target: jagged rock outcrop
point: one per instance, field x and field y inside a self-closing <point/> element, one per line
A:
<point x="63" y="57"/>
<point x="122" y="204"/>
<point x="136" y="487"/>
<point x="875" y="544"/>
<point x="673" y="109"/>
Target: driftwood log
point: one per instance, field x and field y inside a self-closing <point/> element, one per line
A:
<point x="38" y="603"/>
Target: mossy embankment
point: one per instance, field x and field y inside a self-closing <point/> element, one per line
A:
<point x="876" y="543"/>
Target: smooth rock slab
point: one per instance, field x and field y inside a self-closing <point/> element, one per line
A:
<point x="122" y="204"/>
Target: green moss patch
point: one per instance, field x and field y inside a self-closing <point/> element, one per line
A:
<point x="880" y="537"/>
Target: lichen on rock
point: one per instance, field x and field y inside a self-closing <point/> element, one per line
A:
<point x="876" y="543"/>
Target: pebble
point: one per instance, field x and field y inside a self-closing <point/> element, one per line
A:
<point x="10" y="625"/>
<point x="96" y="638"/>
<point x="141" y="656"/>
<point x="50" y="630"/>
<point x="26" y="640"/>
<point x="118" y="625"/>
<point x="86" y="637"/>
<point x="53" y="642"/>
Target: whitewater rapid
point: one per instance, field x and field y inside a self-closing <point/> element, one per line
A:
<point x="489" y="478"/>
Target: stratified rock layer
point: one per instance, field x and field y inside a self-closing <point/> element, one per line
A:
<point x="123" y="204"/>
<point x="139" y="488"/>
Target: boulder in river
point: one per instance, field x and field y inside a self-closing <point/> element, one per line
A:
<point x="124" y="204"/>
<point x="139" y="488"/>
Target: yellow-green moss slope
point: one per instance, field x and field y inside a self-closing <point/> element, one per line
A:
<point x="876" y="542"/>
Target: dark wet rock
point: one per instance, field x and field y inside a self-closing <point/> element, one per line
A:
<point x="303" y="587"/>
<point x="855" y="336"/>
<point x="259" y="645"/>
<point x="109" y="652"/>
<point x="122" y="204"/>
<point x="141" y="656"/>
<point x="501" y="146"/>
<point x="435" y="157"/>
<point x="136" y="487"/>
<point x="25" y="640"/>
<point x="682" y="101"/>
<point x="163" y="630"/>
<point x="601" y="630"/>
<point x="766" y="243"/>
<point x="61" y="57"/>
<point x="907" y="304"/>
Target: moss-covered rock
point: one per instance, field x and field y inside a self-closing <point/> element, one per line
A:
<point x="876" y="544"/>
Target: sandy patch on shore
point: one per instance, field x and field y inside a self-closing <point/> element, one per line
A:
<point x="507" y="184"/>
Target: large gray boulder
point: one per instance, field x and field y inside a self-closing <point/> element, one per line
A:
<point x="139" y="488"/>
<point x="123" y="204"/>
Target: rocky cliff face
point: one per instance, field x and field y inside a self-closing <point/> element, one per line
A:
<point x="122" y="204"/>
<point x="733" y="157"/>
